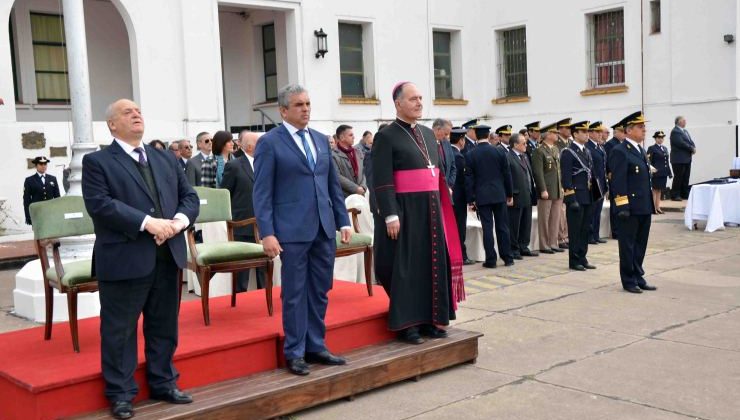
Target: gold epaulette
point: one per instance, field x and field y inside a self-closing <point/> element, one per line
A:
<point x="621" y="200"/>
<point x="568" y="192"/>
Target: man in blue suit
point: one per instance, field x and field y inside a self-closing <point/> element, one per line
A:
<point x="598" y="156"/>
<point x="682" y="151"/>
<point x="140" y="202"/>
<point x="299" y="205"/>
<point x="489" y="186"/>
<point x="442" y="128"/>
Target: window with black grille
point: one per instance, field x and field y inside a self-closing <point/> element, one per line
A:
<point x="606" y="49"/>
<point x="512" y="65"/>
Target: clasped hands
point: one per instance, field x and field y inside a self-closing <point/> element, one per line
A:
<point x="164" y="229"/>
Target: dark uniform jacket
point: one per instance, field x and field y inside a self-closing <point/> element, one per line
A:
<point x="598" y="156"/>
<point x="522" y="180"/>
<point x="458" y="190"/>
<point x="577" y="175"/>
<point x="488" y="176"/>
<point x="546" y="168"/>
<point x="34" y="190"/>
<point x="630" y="182"/>
<point x="658" y="157"/>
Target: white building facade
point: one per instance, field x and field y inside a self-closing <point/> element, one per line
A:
<point x="206" y="65"/>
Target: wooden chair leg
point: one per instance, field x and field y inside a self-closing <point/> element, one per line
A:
<point x="233" y="289"/>
<point x="268" y="287"/>
<point x="49" y="296"/>
<point x="72" y="309"/>
<point x="204" y="286"/>
<point x="369" y="270"/>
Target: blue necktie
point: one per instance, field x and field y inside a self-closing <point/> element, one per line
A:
<point x="309" y="155"/>
<point x="142" y="158"/>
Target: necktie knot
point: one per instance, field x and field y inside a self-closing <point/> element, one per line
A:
<point x="142" y="158"/>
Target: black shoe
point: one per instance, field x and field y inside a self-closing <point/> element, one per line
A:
<point x="601" y="241"/>
<point x="489" y="265"/>
<point x="589" y="266"/>
<point x="528" y="253"/>
<point x="411" y="336"/>
<point x="121" y="410"/>
<point x="517" y="257"/>
<point x="173" y="396"/>
<point x="593" y="242"/>
<point x="547" y="251"/>
<point x="432" y="332"/>
<point x="564" y="245"/>
<point x="633" y="289"/>
<point x="510" y="263"/>
<point x="468" y="262"/>
<point x="558" y="250"/>
<point x="325" y="358"/>
<point x="647" y="287"/>
<point x="577" y="267"/>
<point x="297" y="366"/>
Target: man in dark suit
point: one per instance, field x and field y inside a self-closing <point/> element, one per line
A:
<point x="459" y="202"/>
<point x="140" y="202"/>
<point x="39" y="186"/>
<point x="489" y="188"/>
<point x="186" y="152"/>
<point x="442" y="128"/>
<point x="579" y="186"/>
<point x="204" y="143"/>
<point x="239" y="180"/>
<point x="630" y="185"/>
<point x="470" y="139"/>
<point x="520" y="212"/>
<point x="598" y="156"/>
<point x="682" y="151"/>
<point x="299" y="207"/>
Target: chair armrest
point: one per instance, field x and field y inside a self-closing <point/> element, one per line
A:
<point x="354" y="212"/>
<point x="231" y="224"/>
<point x="57" y="260"/>
<point x="191" y="246"/>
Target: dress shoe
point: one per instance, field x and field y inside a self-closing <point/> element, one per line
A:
<point x="509" y="263"/>
<point x="468" y="262"/>
<point x="648" y="287"/>
<point x="564" y="245"/>
<point x="577" y="267"/>
<point x="432" y="332"/>
<point x="601" y="241"/>
<point x="173" y="396"/>
<point x="411" y="335"/>
<point x="122" y="410"/>
<point x="593" y="242"/>
<point x="589" y="266"/>
<point x="633" y="289"/>
<point x="324" y="358"/>
<point x="489" y="265"/>
<point x="547" y="251"/>
<point x="517" y="257"/>
<point x="297" y="366"/>
<point x="558" y="250"/>
<point x="528" y="253"/>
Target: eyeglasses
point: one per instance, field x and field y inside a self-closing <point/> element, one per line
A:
<point x="186" y="147"/>
<point x="206" y="141"/>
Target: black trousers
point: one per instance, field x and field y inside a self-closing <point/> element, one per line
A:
<point x="596" y="218"/>
<point x="488" y="214"/>
<point x="242" y="277"/>
<point x="121" y="303"/>
<point x="681" y="175"/>
<point x="579" y="222"/>
<point x="634" y="232"/>
<point x="520" y="228"/>
<point x="461" y="219"/>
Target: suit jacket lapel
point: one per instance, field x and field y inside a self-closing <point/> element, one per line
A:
<point x="288" y="139"/>
<point x="248" y="168"/>
<point x="159" y="172"/>
<point x="129" y="165"/>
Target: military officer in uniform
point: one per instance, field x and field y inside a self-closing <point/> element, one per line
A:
<point x="658" y="157"/>
<point x="608" y="146"/>
<point x="533" y="130"/>
<point x="598" y="155"/>
<point x="565" y="136"/>
<point x="504" y="134"/>
<point x="546" y="169"/>
<point x="630" y="185"/>
<point x="39" y="186"/>
<point x="470" y="139"/>
<point x="580" y="192"/>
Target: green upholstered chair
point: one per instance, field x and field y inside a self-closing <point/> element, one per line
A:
<point x="229" y="256"/>
<point x="358" y="243"/>
<point x="53" y="219"/>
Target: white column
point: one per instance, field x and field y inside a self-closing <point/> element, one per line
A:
<point x="79" y="88"/>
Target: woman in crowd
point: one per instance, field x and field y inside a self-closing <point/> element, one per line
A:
<point x="212" y="171"/>
<point x="658" y="157"/>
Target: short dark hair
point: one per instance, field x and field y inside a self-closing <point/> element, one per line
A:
<point x="341" y="129"/>
<point x="174" y="143"/>
<point x="366" y="133"/>
<point x="220" y="140"/>
<point x="523" y="131"/>
<point x="201" y="134"/>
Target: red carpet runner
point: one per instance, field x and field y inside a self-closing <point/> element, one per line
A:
<point x="46" y="379"/>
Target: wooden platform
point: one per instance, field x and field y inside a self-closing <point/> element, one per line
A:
<point x="277" y="392"/>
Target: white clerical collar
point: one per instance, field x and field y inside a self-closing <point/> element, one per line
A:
<point x="634" y="143"/>
<point x="413" y="125"/>
<point x="291" y="129"/>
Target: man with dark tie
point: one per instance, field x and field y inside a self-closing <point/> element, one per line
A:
<point x="39" y="186"/>
<point x="489" y="188"/>
<point x="520" y="212"/>
<point x="580" y="191"/>
<point x="442" y="128"/>
<point x="239" y="180"/>
<point x="682" y="150"/>
<point x="630" y="185"/>
<point x="299" y="208"/>
<point x="186" y="152"/>
<point x="598" y="156"/>
<point x="140" y="203"/>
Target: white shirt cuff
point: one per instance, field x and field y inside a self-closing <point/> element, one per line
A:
<point x="181" y="217"/>
<point x="143" y="224"/>
<point x="345" y="227"/>
<point x="391" y="218"/>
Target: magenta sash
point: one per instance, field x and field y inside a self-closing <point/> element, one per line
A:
<point x="421" y="180"/>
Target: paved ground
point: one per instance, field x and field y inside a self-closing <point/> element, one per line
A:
<point x="572" y="345"/>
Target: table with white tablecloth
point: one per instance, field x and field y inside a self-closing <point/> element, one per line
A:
<point x="716" y="203"/>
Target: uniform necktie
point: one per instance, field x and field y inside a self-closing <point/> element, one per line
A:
<point x="142" y="158"/>
<point x="43" y="179"/>
<point x="309" y="155"/>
